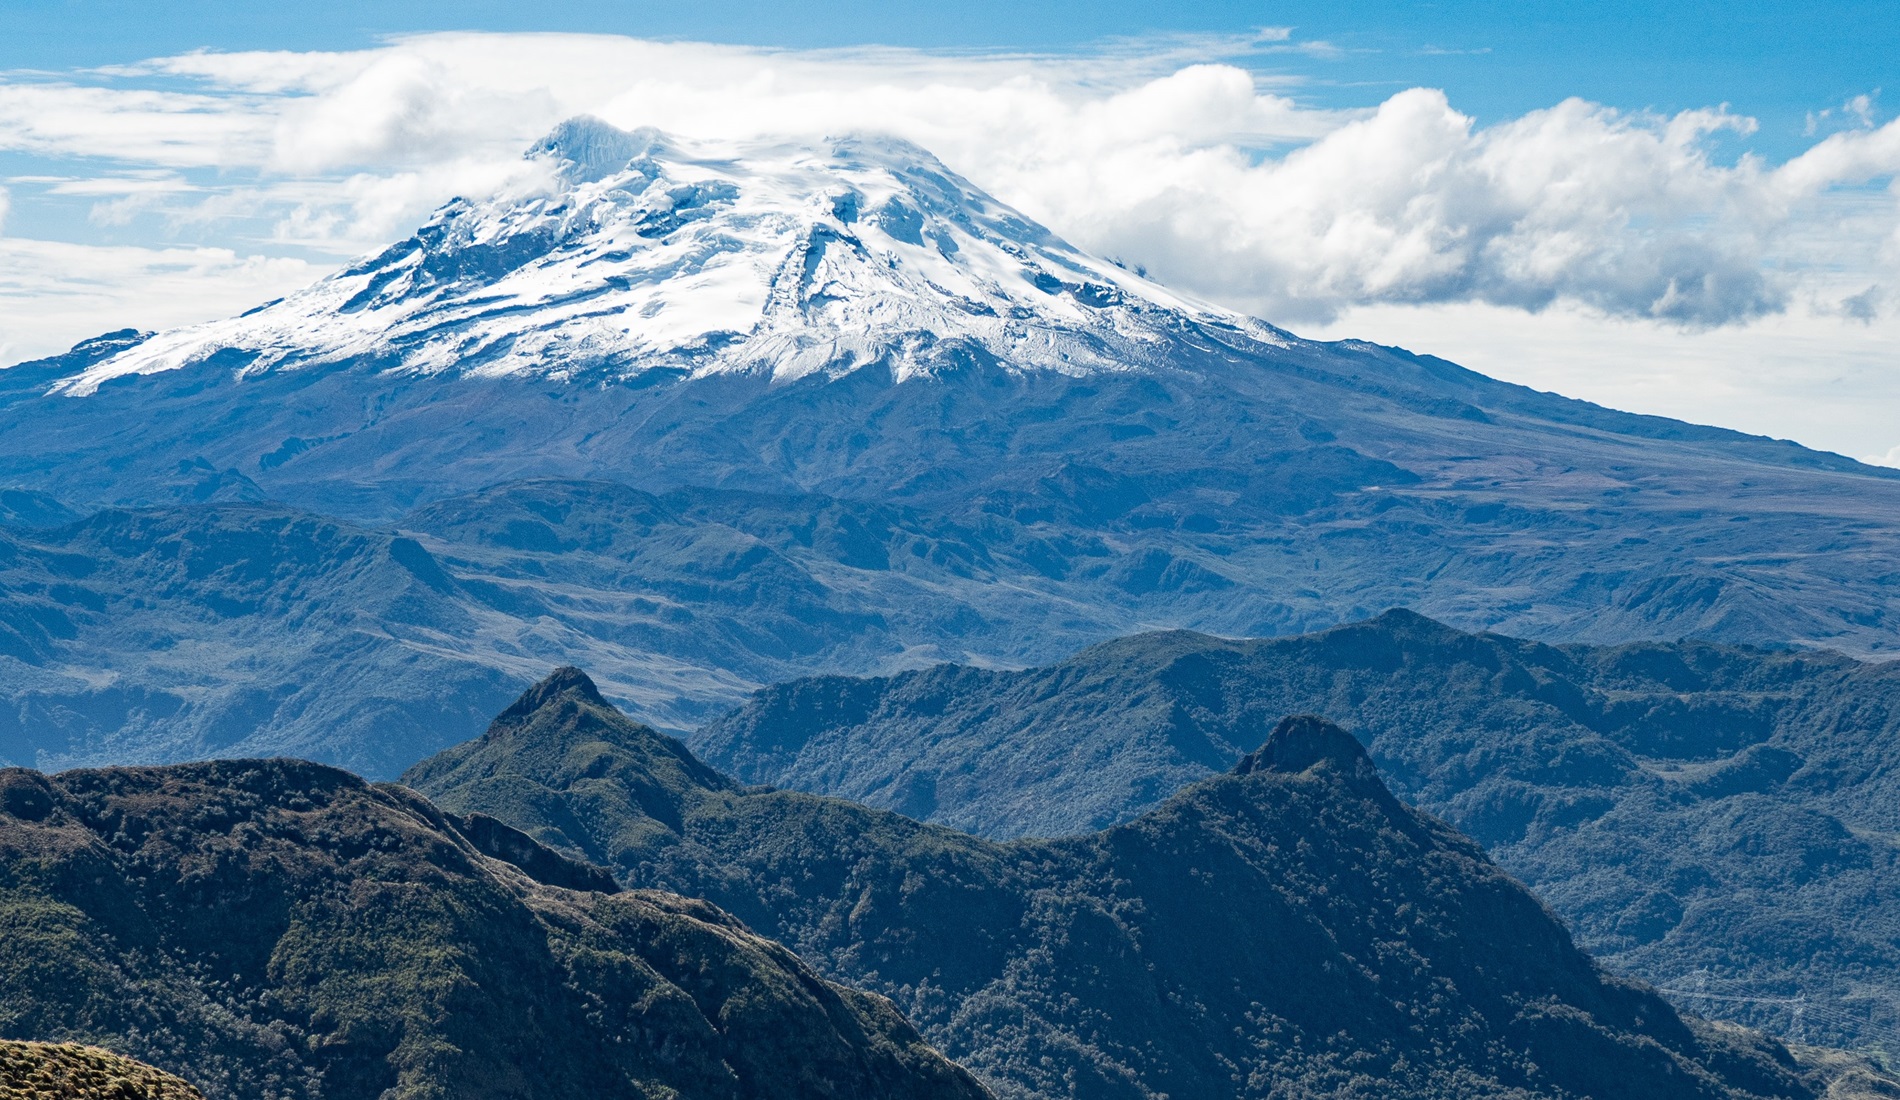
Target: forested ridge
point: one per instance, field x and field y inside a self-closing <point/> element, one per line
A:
<point x="276" y="930"/>
<point x="1288" y="929"/>
<point x="1717" y="820"/>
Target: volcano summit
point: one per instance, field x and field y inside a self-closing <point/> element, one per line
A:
<point x="633" y="253"/>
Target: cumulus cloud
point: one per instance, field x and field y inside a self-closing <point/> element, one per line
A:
<point x="1858" y="111"/>
<point x="87" y="289"/>
<point x="1414" y="204"/>
<point x="1210" y="176"/>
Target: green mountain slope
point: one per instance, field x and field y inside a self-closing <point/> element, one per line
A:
<point x="67" y="1071"/>
<point x="1721" y="822"/>
<point x="275" y="929"/>
<point x="1288" y="929"/>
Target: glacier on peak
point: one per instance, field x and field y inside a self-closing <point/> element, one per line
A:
<point x="641" y="251"/>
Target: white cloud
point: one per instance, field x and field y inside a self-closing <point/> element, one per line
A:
<point x="1860" y="111"/>
<point x="131" y="125"/>
<point x="49" y="288"/>
<point x="1161" y="154"/>
<point x="1414" y="204"/>
<point x="1801" y="374"/>
<point x="1201" y="173"/>
<point x="6" y="200"/>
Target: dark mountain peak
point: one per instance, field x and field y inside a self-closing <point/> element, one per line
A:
<point x="1405" y="629"/>
<point x="564" y="717"/>
<point x="563" y="728"/>
<point x="1306" y="741"/>
<point x="564" y="684"/>
<point x="1402" y="637"/>
<point x="108" y="343"/>
<point x="1404" y="620"/>
<point x="25" y="794"/>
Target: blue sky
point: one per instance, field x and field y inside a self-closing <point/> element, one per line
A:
<point x="1687" y="209"/>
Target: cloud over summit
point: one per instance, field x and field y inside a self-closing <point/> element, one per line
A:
<point x="1413" y="203"/>
<point x="1211" y="177"/>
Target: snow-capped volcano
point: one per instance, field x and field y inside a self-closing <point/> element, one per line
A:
<point x="640" y="250"/>
<point x="613" y="418"/>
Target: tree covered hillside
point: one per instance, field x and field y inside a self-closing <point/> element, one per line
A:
<point x="1719" y="821"/>
<point x="1288" y="929"/>
<point x="274" y="930"/>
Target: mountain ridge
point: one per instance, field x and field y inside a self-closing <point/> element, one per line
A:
<point x="1293" y="927"/>
<point x="1712" y="819"/>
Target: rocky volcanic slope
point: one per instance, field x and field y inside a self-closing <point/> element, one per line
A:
<point x="1722" y="822"/>
<point x="275" y="929"/>
<point x="68" y="1071"/>
<point x="709" y="417"/>
<point x="1288" y="929"/>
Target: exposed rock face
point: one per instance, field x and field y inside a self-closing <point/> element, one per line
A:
<point x="277" y="929"/>
<point x="1286" y="929"/>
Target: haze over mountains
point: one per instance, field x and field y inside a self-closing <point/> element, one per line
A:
<point x="706" y="419"/>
